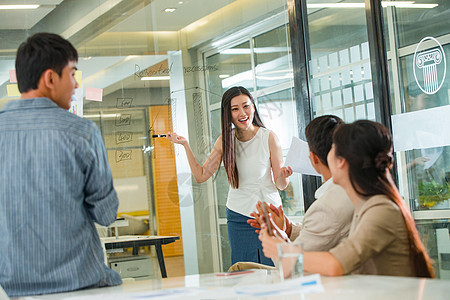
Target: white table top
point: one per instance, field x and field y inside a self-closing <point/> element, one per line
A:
<point x="345" y="287"/>
<point x="133" y="238"/>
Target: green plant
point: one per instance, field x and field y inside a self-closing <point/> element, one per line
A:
<point x="432" y="192"/>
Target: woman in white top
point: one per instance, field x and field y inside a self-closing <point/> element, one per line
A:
<point x="252" y="158"/>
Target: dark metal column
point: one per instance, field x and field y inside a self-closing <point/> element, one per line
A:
<point x="378" y="62"/>
<point x="298" y="29"/>
<point x="379" y="66"/>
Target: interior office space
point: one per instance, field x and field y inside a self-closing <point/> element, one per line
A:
<point x="148" y="67"/>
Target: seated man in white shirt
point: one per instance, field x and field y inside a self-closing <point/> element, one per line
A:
<point x="327" y="221"/>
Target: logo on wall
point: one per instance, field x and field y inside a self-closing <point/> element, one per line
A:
<point x="429" y="66"/>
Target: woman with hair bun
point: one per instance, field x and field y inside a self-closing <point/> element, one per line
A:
<point x="383" y="239"/>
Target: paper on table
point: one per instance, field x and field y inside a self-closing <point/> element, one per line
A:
<point x="298" y="158"/>
<point x="166" y="294"/>
<point x="304" y="285"/>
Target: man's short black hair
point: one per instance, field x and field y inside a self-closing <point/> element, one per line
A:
<point x="319" y="133"/>
<point x="41" y="52"/>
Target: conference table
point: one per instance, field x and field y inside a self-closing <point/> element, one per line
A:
<point x="264" y="284"/>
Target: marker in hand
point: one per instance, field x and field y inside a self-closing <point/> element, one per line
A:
<point x="158" y="135"/>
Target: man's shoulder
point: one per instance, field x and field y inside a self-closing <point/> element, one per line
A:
<point x="335" y="199"/>
<point x="333" y="191"/>
<point x="72" y="123"/>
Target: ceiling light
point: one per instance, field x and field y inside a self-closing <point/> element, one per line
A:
<point x="169" y="10"/>
<point x="286" y="76"/>
<point x="392" y="3"/>
<point x="408" y="4"/>
<point x="32" y="6"/>
<point x="180" y="2"/>
<point x="398" y="4"/>
<point x="236" y="51"/>
<point x="336" y="5"/>
<point x="104" y="116"/>
<point x="156" y="78"/>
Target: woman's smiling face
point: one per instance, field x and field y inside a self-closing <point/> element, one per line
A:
<point x="242" y="112"/>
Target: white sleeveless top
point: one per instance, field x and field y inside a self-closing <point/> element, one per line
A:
<point x="255" y="175"/>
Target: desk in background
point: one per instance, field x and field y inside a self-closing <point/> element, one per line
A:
<point x="136" y="241"/>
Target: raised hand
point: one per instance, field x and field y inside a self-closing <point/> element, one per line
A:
<point x="175" y="138"/>
<point x="286" y="172"/>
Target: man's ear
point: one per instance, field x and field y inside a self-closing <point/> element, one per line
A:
<point x="47" y="79"/>
<point x="314" y="158"/>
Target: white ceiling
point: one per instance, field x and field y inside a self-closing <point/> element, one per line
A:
<point x="25" y="18"/>
<point x="109" y="72"/>
<point x="147" y="28"/>
<point x="153" y="17"/>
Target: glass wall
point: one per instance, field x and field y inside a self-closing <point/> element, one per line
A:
<point x="419" y="48"/>
<point x="259" y="59"/>
<point x="417" y="41"/>
<point x="340" y="62"/>
<point x="149" y="67"/>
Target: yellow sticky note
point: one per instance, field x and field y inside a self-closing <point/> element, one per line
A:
<point x="78" y="76"/>
<point x="12" y="90"/>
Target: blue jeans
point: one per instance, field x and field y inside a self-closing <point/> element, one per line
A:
<point x="244" y="242"/>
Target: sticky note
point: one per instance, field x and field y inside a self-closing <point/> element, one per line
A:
<point x="12" y="90"/>
<point x="78" y="76"/>
<point x="94" y="94"/>
<point x="12" y="76"/>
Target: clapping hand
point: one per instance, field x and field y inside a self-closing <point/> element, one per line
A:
<point x="269" y="242"/>
<point x="276" y="212"/>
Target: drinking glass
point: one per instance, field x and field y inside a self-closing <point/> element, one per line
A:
<point x="290" y="260"/>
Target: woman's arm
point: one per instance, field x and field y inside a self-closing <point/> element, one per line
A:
<point x="269" y="242"/>
<point x="201" y="173"/>
<point x="280" y="174"/>
<point x="323" y="263"/>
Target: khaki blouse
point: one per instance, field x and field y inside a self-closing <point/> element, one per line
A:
<point x="378" y="241"/>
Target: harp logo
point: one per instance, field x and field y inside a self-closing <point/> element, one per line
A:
<point x="429" y="65"/>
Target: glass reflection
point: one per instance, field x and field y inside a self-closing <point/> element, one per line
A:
<point x="272" y="58"/>
<point x="340" y="62"/>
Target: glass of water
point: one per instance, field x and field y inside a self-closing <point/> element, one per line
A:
<point x="290" y="260"/>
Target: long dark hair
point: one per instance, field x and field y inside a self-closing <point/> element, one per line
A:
<point x="367" y="147"/>
<point x="228" y="157"/>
